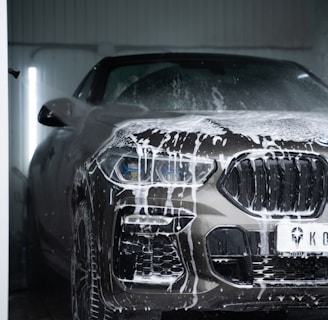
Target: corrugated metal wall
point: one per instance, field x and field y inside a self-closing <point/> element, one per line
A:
<point x="213" y="23"/>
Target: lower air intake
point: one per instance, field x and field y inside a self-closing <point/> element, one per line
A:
<point x="148" y="259"/>
<point x="235" y="255"/>
<point x="273" y="270"/>
<point x="145" y="252"/>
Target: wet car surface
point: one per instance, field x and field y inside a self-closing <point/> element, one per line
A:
<point x="185" y="182"/>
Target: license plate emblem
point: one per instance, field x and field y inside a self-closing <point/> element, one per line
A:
<point x="302" y="238"/>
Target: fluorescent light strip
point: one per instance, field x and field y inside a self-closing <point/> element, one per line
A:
<point x="32" y="111"/>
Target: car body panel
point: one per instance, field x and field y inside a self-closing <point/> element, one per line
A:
<point x="70" y="167"/>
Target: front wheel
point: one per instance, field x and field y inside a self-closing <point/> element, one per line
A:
<point x="86" y="302"/>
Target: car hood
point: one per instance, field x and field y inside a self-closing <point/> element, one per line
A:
<point x="211" y="133"/>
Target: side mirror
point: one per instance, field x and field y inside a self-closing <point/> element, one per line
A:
<point x="48" y="118"/>
<point x="57" y="113"/>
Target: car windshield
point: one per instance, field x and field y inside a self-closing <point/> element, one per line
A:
<point x="215" y="86"/>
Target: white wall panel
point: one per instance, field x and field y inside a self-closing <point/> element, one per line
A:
<point x="4" y="205"/>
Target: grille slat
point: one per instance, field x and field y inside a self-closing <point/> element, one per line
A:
<point x="317" y="191"/>
<point x="277" y="184"/>
<point x="246" y="183"/>
<point x="289" y="184"/>
<point x="260" y="186"/>
<point x="304" y="185"/>
<point x="274" y="188"/>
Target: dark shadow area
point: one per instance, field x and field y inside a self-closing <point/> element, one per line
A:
<point x="53" y="302"/>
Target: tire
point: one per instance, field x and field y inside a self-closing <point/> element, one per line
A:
<point x="86" y="301"/>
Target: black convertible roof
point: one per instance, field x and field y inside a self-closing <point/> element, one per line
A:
<point x="186" y="56"/>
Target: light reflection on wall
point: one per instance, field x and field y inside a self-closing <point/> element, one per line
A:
<point x="32" y="111"/>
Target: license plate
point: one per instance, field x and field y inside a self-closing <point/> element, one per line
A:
<point x="302" y="238"/>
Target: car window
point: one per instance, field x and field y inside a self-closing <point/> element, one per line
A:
<point x="121" y="78"/>
<point x="216" y="86"/>
<point x="83" y="92"/>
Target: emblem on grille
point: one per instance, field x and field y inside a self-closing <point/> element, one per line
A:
<point x="322" y="141"/>
<point x="297" y="235"/>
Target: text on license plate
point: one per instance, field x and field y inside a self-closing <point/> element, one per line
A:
<point x="306" y="237"/>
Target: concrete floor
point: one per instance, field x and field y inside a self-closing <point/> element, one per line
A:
<point x="49" y="303"/>
<point x="55" y="305"/>
<point x="52" y="302"/>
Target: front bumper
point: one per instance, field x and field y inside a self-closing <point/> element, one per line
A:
<point x="187" y="271"/>
<point x="207" y="255"/>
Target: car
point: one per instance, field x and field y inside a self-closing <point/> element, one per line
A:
<point x="185" y="181"/>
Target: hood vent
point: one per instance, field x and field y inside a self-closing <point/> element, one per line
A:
<point x="277" y="184"/>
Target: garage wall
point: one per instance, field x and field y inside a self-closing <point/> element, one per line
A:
<point x="209" y="23"/>
<point x="62" y="39"/>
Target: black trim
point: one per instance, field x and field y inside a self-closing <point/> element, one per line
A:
<point x="274" y="180"/>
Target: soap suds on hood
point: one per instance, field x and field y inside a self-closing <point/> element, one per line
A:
<point x="295" y="127"/>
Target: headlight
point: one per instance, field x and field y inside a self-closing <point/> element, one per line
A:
<point x="149" y="168"/>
